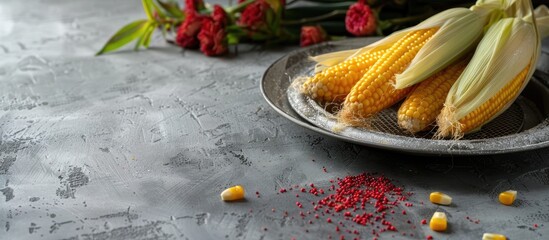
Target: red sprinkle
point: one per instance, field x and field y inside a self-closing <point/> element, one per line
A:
<point x="361" y="200"/>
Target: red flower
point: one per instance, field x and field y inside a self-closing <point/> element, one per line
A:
<point x="254" y="15"/>
<point x="311" y="35"/>
<point x="212" y="37"/>
<point x="219" y="15"/>
<point x="193" y="5"/>
<point x="360" y="20"/>
<point x="187" y="32"/>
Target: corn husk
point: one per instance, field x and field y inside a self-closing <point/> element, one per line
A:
<point x="460" y="30"/>
<point x="509" y="46"/>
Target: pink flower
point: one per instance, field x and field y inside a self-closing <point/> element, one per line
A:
<point x="360" y="20"/>
<point x="188" y="31"/>
<point x="254" y="15"/>
<point x="311" y="35"/>
<point x="212" y="37"/>
<point x="193" y="5"/>
<point x="219" y="15"/>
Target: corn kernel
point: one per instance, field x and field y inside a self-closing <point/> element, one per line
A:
<point x="232" y="193"/>
<point x="493" y="236"/>
<point x="438" y="222"/>
<point x="440" y="198"/>
<point x="507" y="197"/>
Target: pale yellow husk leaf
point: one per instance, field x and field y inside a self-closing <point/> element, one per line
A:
<point x="447" y="35"/>
<point x="506" y="49"/>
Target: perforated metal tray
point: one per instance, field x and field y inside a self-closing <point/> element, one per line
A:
<point x="524" y="126"/>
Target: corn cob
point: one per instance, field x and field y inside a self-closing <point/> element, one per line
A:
<point x="333" y="84"/>
<point x="495" y="104"/>
<point x="375" y="90"/>
<point x="424" y="103"/>
<point x="498" y="71"/>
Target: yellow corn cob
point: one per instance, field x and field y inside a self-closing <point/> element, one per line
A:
<point x="375" y="90"/>
<point x="424" y="103"/>
<point x="507" y="197"/>
<point x="233" y="193"/>
<point x="334" y="83"/>
<point x="500" y="68"/>
<point x="487" y="110"/>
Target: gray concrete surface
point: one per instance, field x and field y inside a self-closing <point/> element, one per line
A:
<point x="138" y="145"/>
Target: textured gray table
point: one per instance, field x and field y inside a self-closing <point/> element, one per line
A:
<point x="138" y="145"/>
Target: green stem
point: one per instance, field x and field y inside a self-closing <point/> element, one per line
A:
<point x="314" y="19"/>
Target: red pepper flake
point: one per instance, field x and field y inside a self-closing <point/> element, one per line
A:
<point x="429" y="237"/>
<point x="536" y="225"/>
<point x="363" y="199"/>
<point x="282" y="190"/>
<point x="424" y="221"/>
<point x="324" y="169"/>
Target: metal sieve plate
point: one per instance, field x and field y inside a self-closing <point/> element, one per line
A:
<point x="522" y="127"/>
<point x="509" y="122"/>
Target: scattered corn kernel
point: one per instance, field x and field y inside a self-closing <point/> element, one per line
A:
<point x="493" y="236"/>
<point x="440" y="198"/>
<point x="438" y="222"/>
<point x="232" y="193"/>
<point x="507" y="197"/>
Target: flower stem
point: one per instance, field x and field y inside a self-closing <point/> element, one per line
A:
<point x="313" y="19"/>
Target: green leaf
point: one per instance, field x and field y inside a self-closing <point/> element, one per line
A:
<point x="148" y="35"/>
<point x="147" y="8"/>
<point x="144" y="39"/>
<point x="158" y="10"/>
<point x="125" y="35"/>
<point x="172" y="9"/>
